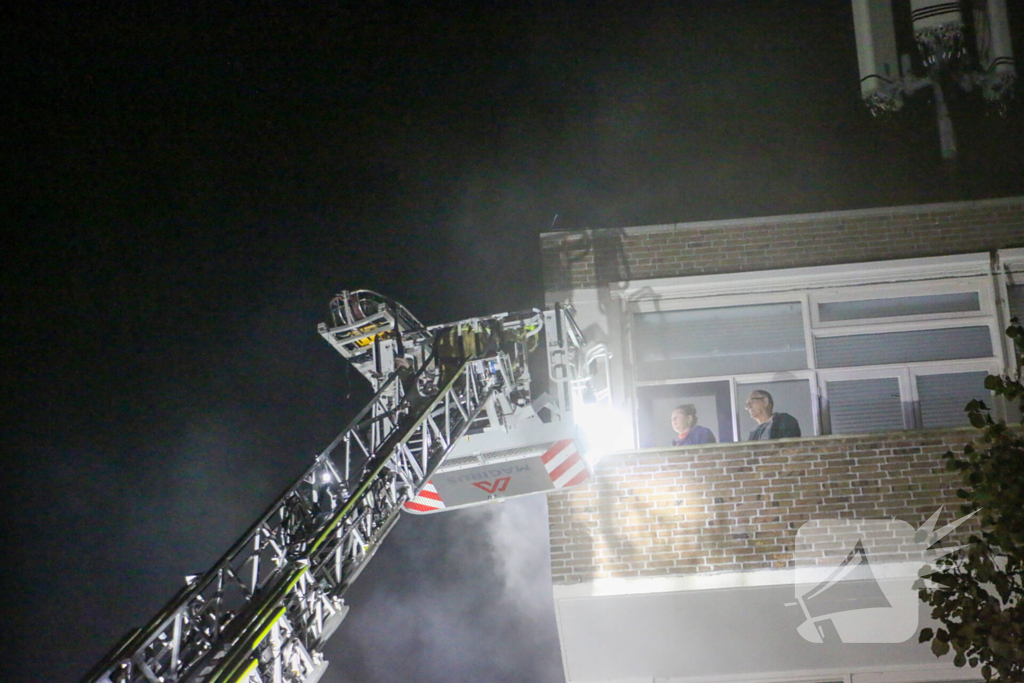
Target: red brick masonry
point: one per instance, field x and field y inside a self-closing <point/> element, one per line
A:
<point x="591" y="258"/>
<point x="737" y="507"/>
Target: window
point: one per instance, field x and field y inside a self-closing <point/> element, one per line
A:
<point x="1013" y="279"/>
<point x="844" y="349"/>
<point x="858" y="406"/>
<point x="726" y="344"/>
<point x="1015" y="297"/>
<point x="899" y="306"/>
<point x="720" y="341"/>
<point x="711" y="400"/>
<point x="790" y="396"/>
<point x="885" y="348"/>
<point x="943" y="397"/>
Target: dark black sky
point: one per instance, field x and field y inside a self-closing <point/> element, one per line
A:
<point x="187" y="186"/>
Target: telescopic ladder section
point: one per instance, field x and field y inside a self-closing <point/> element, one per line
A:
<point x="263" y="613"/>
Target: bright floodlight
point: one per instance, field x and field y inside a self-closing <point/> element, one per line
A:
<point x="601" y="430"/>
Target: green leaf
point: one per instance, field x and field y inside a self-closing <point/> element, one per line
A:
<point x="975" y="596"/>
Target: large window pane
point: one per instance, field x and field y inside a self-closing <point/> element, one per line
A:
<point x="711" y="399"/>
<point x="719" y="341"/>
<point x="930" y="304"/>
<point x="943" y="397"/>
<point x="789" y="396"/>
<point x="865" y="405"/>
<point x="903" y="347"/>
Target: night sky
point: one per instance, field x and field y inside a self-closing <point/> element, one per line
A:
<point x="187" y="186"/>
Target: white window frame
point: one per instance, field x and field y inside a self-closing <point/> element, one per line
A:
<point x="847" y="282"/>
<point x="946" y="369"/>
<point x="783" y="376"/>
<point x="853" y="374"/>
<point x="1009" y="272"/>
<point x="659" y="306"/>
<point x="907" y="375"/>
<point x="978" y="284"/>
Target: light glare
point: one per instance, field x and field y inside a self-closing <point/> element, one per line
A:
<point x="602" y="430"/>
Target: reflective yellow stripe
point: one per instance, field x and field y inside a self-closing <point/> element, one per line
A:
<point x="224" y="673"/>
<point x="291" y="584"/>
<point x="248" y="669"/>
<point x="266" y="629"/>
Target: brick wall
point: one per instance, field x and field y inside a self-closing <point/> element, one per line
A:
<point x="589" y="258"/>
<point x="737" y="507"/>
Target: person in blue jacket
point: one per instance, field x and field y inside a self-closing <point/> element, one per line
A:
<point x="684" y="421"/>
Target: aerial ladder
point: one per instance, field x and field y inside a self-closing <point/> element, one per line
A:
<point x="462" y="413"/>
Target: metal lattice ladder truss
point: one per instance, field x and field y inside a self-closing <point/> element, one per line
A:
<point x="264" y="611"/>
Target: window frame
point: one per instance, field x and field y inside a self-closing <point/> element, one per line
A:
<point x="962" y="285"/>
<point x="846" y="282"/>
<point x="1009" y="273"/>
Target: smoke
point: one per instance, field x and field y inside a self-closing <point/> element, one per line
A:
<point x="464" y="595"/>
<point x="519" y="536"/>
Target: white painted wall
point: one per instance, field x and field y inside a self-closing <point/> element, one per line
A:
<point x="714" y="628"/>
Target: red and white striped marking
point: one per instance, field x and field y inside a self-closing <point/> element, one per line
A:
<point x="428" y="500"/>
<point x="564" y="464"/>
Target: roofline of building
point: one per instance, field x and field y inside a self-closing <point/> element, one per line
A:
<point x="849" y="214"/>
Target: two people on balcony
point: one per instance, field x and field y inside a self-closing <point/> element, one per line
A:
<point x="770" y="425"/>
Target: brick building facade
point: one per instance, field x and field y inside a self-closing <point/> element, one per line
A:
<point x="873" y="327"/>
<point x="577" y="260"/>
<point x="737" y="507"/>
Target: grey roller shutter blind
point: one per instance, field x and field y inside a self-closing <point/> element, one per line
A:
<point x="719" y="341"/>
<point x="903" y="347"/>
<point x="943" y="397"/>
<point x="929" y="304"/>
<point x="865" y="405"/>
<point x="1016" y="301"/>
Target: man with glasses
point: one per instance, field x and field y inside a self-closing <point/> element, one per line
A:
<point x="770" y="425"/>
